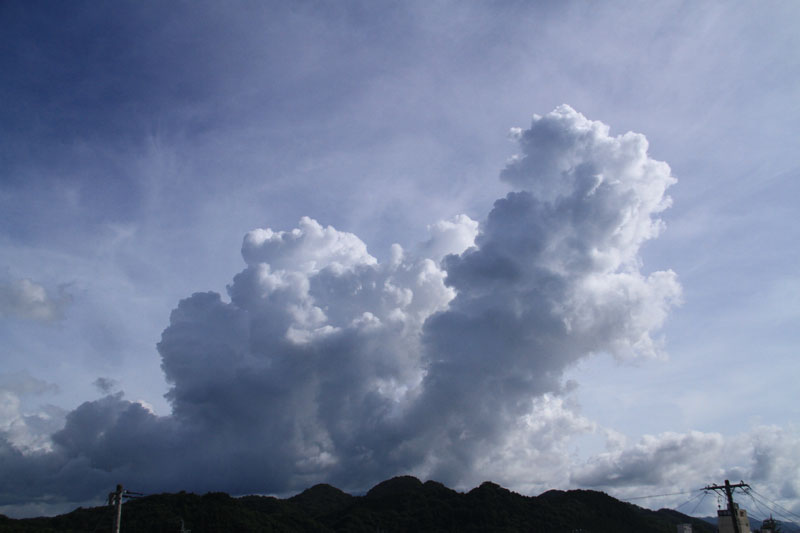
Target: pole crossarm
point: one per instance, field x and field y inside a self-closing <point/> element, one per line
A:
<point x="727" y="485"/>
<point x="728" y="488"/>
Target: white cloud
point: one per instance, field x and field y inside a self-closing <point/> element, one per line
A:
<point x="567" y="160"/>
<point x="452" y="236"/>
<point x="655" y="461"/>
<point x="536" y="454"/>
<point x="767" y="457"/>
<point x="309" y="247"/>
<point x="28" y="430"/>
<point x="24" y="298"/>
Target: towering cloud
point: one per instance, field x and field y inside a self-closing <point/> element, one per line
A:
<point x="324" y="364"/>
<point x="553" y="277"/>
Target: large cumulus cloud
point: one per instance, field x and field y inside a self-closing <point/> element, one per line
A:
<point x="445" y="360"/>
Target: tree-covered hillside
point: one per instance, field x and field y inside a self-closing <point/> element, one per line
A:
<point x="399" y="504"/>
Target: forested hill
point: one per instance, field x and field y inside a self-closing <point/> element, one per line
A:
<point x="399" y="504"/>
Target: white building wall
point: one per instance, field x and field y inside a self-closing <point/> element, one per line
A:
<point x="725" y="523"/>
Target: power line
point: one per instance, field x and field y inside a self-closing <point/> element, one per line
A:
<point x="758" y="505"/>
<point x="783" y="517"/>
<point x="778" y="509"/>
<point x="698" y="503"/>
<point x="779" y="506"/>
<point x="659" y="495"/>
<point x="698" y="495"/>
<point x="690" y="499"/>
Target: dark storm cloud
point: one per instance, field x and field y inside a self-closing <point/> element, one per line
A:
<point x="328" y="365"/>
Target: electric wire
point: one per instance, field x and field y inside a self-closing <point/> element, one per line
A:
<point x="705" y="493"/>
<point x="698" y="495"/>
<point x="778" y="510"/>
<point x="773" y="510"/>
<point x="757" y="509"/>
<point x="777" y="505"/>
<point x="658" y="495"/>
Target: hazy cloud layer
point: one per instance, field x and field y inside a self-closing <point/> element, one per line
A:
<point x="445" y="361"/>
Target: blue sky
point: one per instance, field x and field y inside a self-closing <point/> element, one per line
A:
<point x="143" y="141"/>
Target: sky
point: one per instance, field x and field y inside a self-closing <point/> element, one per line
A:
<point x="254" y="246"/>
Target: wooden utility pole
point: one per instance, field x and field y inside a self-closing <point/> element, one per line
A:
<point x="728" y="488"/>
<point x="115" y="499"/>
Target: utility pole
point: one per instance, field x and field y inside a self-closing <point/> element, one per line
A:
<point x="115" y="499"/>
<point x="728" y="488"/>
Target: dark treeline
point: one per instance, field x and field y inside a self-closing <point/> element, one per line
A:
<point x="399" y="504"/>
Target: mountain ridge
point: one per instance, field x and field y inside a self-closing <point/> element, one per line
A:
<point x="402" y="503"/>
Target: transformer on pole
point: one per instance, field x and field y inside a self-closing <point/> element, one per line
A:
<point x="732" y="507"/>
